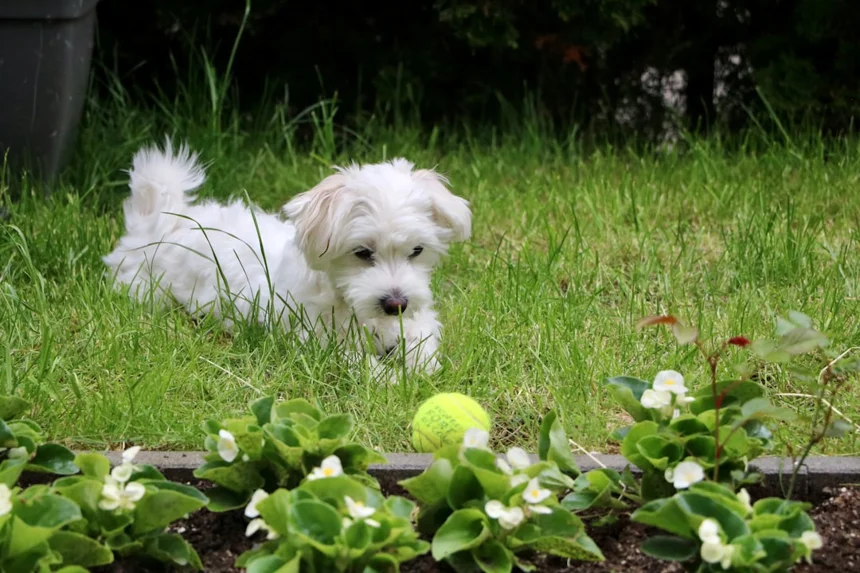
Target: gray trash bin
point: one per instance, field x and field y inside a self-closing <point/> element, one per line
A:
<point x="45" y="51"/>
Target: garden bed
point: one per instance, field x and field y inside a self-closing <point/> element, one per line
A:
<point x="829" y="483"/>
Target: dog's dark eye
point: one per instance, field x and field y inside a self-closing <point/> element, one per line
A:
<point x="416" y="251"/>
<point x="364" y="254"/>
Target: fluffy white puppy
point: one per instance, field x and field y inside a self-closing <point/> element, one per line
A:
<point x="353" y="258"/>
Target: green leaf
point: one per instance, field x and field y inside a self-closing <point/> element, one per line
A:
<point x="665" y="514"/>
<point x="333" y="490"/>
<point x="432" y="485"/>
<point x="670" y="548"/>
<point x="77" y="549"/>
<point x="629" y="447"/>
<point x="493" y="557"/>
<point x="685" y="334"/>
<point x="400" y="506"/>
<point x="464" y="488"/>
<point x="274" y="564"/>
<point x="93" y="465"/>
<point x="297" y="406"/>
<point x="171" y="548"/>
<point x="838" y="429"/>
<point x="563" y="534"/>
<point x="463" y="530"/>
<point x="47" y="511"/>
<point x="316" y="521"/>
<point x="183" y="489"/>
<point x="802" y="341"/>
<point x="223" y="499"/>
<point x="689" y="425"/>
<point x="241" y="476"/>
<point x="11" y="470"/>
<point x="769" y="352"/>
<point x="742" y="392"/>
<point x="660" y="451"/>
<point x="335" y="427"/>
<point x="356" y="456"/>
<point x="275" y="511"/>
<point x="553" y="445"/>
<point x="7" y="436"/>
<point x="761" y="408"/>
<point x="627" y="391"/>
<point x="53" y="458"/>
<point x="483" y="465"/>
<point x="33" y="523"/>
<point x="12" y="407"/>
<point x="358" y="536"/>
<point x="262" y="410"/>
<point x="159" y="509"/>
<point x="698" y="507"/>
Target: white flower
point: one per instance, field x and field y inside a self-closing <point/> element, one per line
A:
<point x="508" y="517"/>
<point x="122" y="473"/>
<point x="330" y="467"/>
<point x="534" y="493"/>
<point x="518" y="458"/>
<point x="494" y="508"/>
<point x="675" y="413"/>
<point x="512" y="518"/>
<point x="118" y="495"/>
<point x="227" y="448"/>
<point x="709" y="531"/>
<point x="5" y="499"/>
<point x="685" y="474"/>
<point x="251" y="509"/>
<point x="129" y="455"/>
<point x="669" y="381"/>
<point x="357" y="510"/>
<point x="744" y="498"/>
<point x="540" y="509"/>
<point x="504" y="466"/>
<point x="258" y="524"/>
<point x="812" y="540"/>
<point x="716" y="552"/>
<point x="518" y="479"/>
<point x="656" y="400"/>
<point x="20" y="452"/>
<point x="476" y="438"/>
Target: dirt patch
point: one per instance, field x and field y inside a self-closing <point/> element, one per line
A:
<point x="219" y="538"/>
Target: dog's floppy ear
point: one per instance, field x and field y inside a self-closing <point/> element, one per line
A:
<point x="451" y="213"/>
<point x="315" y="216"/>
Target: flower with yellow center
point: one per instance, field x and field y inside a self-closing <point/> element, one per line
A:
<point x="669" y="381"/>
<point x="685" y="474"/>
<point x="330" y="467"/>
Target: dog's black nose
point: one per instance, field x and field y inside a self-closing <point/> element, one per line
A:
<point x="394" y="303"/>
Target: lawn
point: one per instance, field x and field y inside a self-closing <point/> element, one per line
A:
<point x="570" y="247"/>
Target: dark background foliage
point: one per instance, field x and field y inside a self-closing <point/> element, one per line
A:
<point x="594" y="64"/>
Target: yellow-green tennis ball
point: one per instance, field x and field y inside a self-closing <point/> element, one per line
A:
<point x="444" y="419"/>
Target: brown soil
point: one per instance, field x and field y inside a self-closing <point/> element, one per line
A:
<point x="219" y="539"/>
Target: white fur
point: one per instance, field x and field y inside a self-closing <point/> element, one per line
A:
<point x="318" y="284"/>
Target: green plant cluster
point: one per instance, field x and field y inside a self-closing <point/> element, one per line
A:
<point x="313" y="507"/>
<point x="277" y="446"/>
<point x="84" y="520"/>
<point x="332" y="524"/>
<point x="694" y="450"/>
<point x="482" y="511"/>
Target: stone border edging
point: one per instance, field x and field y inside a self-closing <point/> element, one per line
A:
<point x="819" y="473"/>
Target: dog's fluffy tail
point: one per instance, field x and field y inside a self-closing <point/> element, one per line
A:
<point x="162" y="182"/>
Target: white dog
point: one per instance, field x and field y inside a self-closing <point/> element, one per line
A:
<point x="353" y="258"/>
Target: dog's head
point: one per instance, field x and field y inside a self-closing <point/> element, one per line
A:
<point x="377" y="231"/>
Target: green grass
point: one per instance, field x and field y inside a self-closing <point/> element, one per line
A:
<point x="570" y="248"/>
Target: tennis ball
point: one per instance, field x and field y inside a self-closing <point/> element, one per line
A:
<point x="444" y="419"/>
